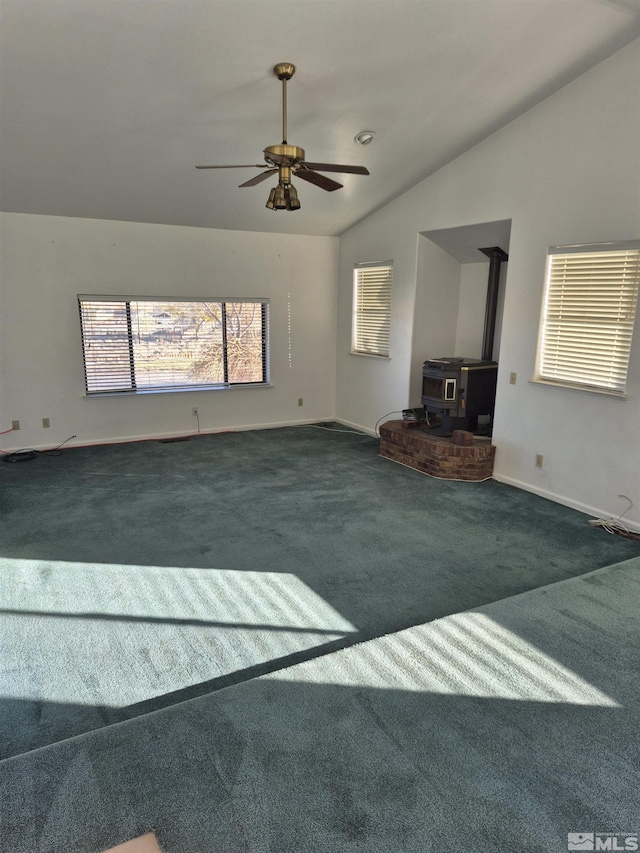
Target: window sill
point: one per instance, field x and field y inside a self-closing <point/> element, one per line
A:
<point x="371" y="355"/>
<point x="145" y="392"/>
<point x="617" y="395"/>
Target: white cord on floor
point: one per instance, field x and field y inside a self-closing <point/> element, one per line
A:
<point x="381" y="419"/>
<point x="613" y="525"/>
<point x="435" y="476"/>
<point x="330" y="429"/>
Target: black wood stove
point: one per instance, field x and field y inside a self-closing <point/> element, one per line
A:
<point x="462" y="389"/>
<point x="459" y="389"/>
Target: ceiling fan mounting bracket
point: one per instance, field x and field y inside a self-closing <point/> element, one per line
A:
<point x="284" y="70"/>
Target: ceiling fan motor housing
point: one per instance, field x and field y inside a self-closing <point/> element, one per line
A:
<point x="284" y="155"/>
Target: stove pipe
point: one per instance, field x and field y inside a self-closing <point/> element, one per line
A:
<point x="496" y="257"/>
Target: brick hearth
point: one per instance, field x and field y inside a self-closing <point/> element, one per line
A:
<point x="436" y="455"/>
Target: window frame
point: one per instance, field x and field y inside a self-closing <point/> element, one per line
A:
<point x="568" y="315"/>
<point x="376" y="320"/>
<point x="132" y="389"/>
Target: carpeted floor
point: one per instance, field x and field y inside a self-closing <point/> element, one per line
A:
<point x="505" y="728"/>
<point x="137" y="576"/>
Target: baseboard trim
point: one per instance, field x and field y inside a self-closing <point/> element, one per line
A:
<point x="358" y="427"/>
<point x="177" y="434"/>
<point x="587" y="509"/>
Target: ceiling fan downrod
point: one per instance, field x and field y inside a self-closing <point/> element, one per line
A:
<point x="284" y="154"/>
<point x="284" y="71"/>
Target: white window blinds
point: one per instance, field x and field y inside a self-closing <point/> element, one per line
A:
<point x="144" y="344"/>
<point x="372" y="309"/>
<point x="588" y="315"/>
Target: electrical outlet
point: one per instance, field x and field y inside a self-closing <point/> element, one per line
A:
<point x="300" y="401"/>
<point x="15" y="424"/>
<point x="194" y="411"/>
<point x="45" y="423"/>
<point x="512" y="378"/>
<point x="539" y="460"/>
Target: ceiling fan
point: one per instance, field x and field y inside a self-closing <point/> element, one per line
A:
<point x="287" y="160"/>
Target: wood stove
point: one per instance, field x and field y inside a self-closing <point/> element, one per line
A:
<point x="459" y="390"/>
<point x="462" y="389"/>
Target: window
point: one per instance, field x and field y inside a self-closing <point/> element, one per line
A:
<point x="589" y="307"/>
<point x="138" y="344"/>
<point x="372" y="309"/>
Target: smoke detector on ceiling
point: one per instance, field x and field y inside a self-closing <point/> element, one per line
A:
<point x="364" y="137"/>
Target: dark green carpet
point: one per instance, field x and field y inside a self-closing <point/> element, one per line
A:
<point x="503" y="729"/>
<point x="136" y="576"/>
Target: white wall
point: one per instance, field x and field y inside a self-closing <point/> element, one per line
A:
<point x="474" y="280"/>
<point x="47" y="261"/>
<point x="565" y="172"/>
<point x="370" y="387"/>
<point x="436" y="306"/>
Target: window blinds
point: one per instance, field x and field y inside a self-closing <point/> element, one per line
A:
<point x="588" y="317"/>
<point x="106" y="340"/>
<point x="135" y="345"/>
<point x="372" y="309"/>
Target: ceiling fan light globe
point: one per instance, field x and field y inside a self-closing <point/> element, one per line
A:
<point x="291" y="195"/>
<point x="271" y="200"/>
<point x="280" y="199"/>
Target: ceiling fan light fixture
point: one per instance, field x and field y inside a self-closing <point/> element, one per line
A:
<point x="364" y="137"/>
<point x="283" y="197"/>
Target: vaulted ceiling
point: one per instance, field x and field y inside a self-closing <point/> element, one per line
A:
<point x="106" y="106"/>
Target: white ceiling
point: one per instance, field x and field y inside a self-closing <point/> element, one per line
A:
<point x="107" y="105"/>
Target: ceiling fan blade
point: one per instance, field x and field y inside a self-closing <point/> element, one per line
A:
<point x="244" y="166"/>
<point x="334" y="167"/>
<point x="319" y="180"/>
<point x="253" y="181"/>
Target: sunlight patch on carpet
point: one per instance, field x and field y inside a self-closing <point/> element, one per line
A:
<point x="466" y="654"/>
<point x="144" y="844"/>
<point x="114" y="635"/>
